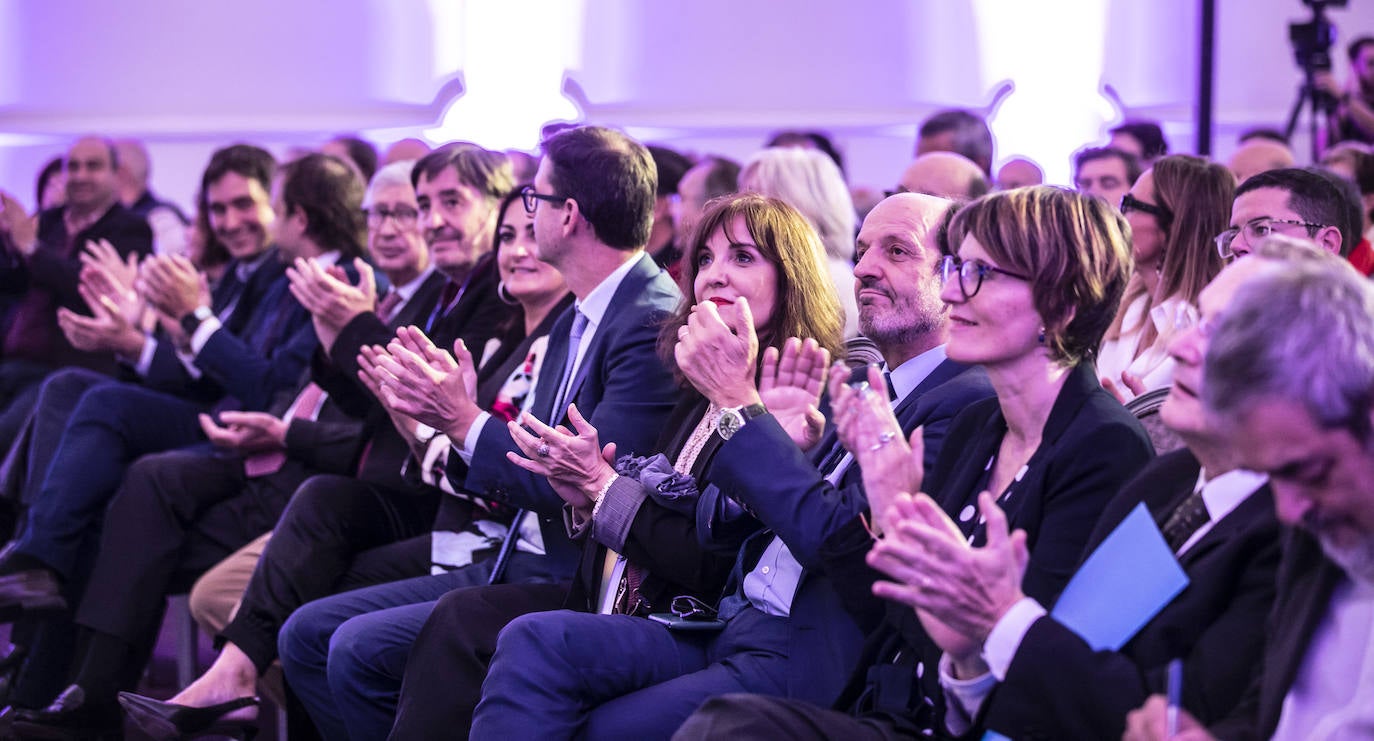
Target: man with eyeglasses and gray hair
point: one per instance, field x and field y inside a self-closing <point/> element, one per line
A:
<point x="1294" y="202"/>
<point x="1287" y="377"/>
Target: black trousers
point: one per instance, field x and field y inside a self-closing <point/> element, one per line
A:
<point x="336" y="532"/>
<point x="449" y="660"/>
<point x="176" y="515"/>
<point x="739" y="717"/>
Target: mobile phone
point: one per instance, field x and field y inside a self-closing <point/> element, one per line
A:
<point x="677" y="622"/>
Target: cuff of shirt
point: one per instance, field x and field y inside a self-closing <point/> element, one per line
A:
<point x="470" y="440"/>
<point x="1005" y="638"/>
<point x="615" y="511"/>
<point x="967" y="696"/>
<point x="202" y="334"/>
<point x="144" y="363"/>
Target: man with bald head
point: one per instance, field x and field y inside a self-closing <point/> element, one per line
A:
<point x="40" y="267"/>
<point x="1259" y="155"/>
<point x="944" y="175"/>
<point x="167" y="221"/>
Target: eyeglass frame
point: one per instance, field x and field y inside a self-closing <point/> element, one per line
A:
<point x="1224" y="248"/>
<point x="1157" y="210"/>
<point x="530" y="198"/>
<point x="400" y="216"/>
<point x="952" y="264"/>
<point x="688" y="607"/>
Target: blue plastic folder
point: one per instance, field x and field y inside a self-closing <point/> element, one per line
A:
<point x="1126" y="581"/>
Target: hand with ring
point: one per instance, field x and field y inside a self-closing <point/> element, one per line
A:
<point x="868" y="428"/>
<point x="576" y="465"/>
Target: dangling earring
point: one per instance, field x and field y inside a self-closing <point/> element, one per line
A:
<point x="1041" y="338"/>
<point x="504" y="294"/>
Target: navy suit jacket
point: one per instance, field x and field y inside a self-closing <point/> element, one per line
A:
<point x="763" y="469"/>
<point x="621" y="387"/>
<point x="1058" y="687"/>
<point x="1089" y="448"/>
<point x="1307" y="579"/>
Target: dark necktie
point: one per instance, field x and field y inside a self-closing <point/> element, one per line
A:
<point x="579" y="326"/>
<point x="1185" y="520"/>
<point x="387" y="306"/>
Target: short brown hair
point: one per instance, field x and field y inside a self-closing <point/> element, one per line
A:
<point x="611" y="176"/>
<point x="1073" y="247"/>
<point x="807" y="305"/>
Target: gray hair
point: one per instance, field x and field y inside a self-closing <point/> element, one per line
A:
<point x="1286" y="249"/>
<point x="811" y="182"/>
<point x="1304" y="334"/>
<point x="391" y="175"/>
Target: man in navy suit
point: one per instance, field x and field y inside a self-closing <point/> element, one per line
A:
<point x="797" y="498"/>
<point x="592" y="200"/>
<point x="318" y="215"/>
<point x="1288" y="378"/>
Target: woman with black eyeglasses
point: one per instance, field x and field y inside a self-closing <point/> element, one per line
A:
<point x="1175" y="210"/>
<point x="1035" y="282"/>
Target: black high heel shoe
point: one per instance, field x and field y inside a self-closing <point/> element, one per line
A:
<point x="166" y="721"/>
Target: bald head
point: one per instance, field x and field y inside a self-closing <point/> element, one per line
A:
<point x="1018" y="173"/>
<point x="1259" y="155"/>
<point x="944" y="174"/>
<point x="405" y="149"/>
<point x="897" y="278"/>
<point x="133" y="170"/>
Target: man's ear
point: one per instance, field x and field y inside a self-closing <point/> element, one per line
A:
<point x="1329" y="239"/>
<point x="571" y="213"/>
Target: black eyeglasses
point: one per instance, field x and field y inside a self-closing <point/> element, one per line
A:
<point x="532" y="198"/>
<point x="971" y="274"/>
<point x="405" y="216"/>
<point x="1130" y="203"/>
<point x="1258" y="229"/>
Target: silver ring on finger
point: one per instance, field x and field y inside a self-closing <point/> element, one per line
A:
<point x="543" y="450"/>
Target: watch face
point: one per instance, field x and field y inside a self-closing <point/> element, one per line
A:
<point x="729" y="424"/>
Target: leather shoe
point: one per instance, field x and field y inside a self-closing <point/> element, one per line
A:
<point x="73" y="715"/>
<point x="30" y="592"/>
<point x="165" y="721"/>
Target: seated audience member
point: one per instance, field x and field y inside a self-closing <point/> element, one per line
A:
<point x="1354" y="119"/>
<point x="817" y="140"/>
<point x="1175" y="210"/>
<point x="1293" y="202"/>
<point x="1019" y="172"/>
<point x="164" y="217"/>
<point x="810" y="182"/>
<point x="1105" y="172"/>
<point x="40" y="265"/>
<point x="1142" y="139"/>
<point x="900" y="310"/>
<point x="1355" y="162"/>
<point x="1035" y="284"/>
<point x="710" y="178"/>
<point x="361" y="155"/>
<point x="943" y="175"/>
<point x="50" y="190"/>
<point x="671" y="167"/>
<point x="754" y="273"/>
<point x="372" y="528"/>
<point x="179" y="513"/>
<point x="1033" y="676"/>
<point x="960" y="131"/>
<point x="1259" y="155"/>
<point x="113" y="423"/>
<point x="1287" y="378"/>
<point x="594" y="233"/>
